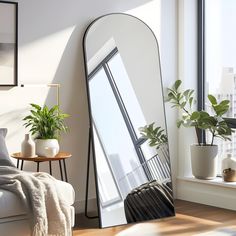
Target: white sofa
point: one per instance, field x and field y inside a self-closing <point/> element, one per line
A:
<point x="13" y="218"/>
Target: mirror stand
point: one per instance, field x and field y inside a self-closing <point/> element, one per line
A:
<point x="90" y="140"/>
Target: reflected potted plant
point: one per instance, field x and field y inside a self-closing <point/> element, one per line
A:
<point x="46" y="126"/>
<point x="203" y="155"/>
<point x="155" y="136"/>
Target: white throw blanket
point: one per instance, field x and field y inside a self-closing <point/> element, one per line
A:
<point x="50" y="215"/>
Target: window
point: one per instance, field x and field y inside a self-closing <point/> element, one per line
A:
<point x="217" y="60"/>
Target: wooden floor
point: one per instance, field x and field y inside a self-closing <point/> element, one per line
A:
<point x="191" y="219"/>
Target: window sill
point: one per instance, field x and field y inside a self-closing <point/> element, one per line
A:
<point x="216" y="182"/>
<point x="209" y="192"/>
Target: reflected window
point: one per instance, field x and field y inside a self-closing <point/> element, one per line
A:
<point x="109" y="190"/>
<point x="122" y="162"/>
<point x="127" y="93"/>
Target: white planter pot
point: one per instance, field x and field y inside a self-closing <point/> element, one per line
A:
<point x="204" y="161"/>
<point x="47" y="147"/>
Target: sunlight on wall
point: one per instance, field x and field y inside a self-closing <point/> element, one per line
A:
<point x="40" y="59"/>
<point x="38" y="64"/>
<point x="14" y="105"/>
<point x="150" y="13"/>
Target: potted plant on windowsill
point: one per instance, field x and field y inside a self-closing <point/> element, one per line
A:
<point x="46" y="125"/>
<point x="203" y="155"/>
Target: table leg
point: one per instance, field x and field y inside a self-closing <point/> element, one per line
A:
<point x="61" y="170"/>
<point x="17" y="164"/>
<point x="22" y="164"/>
<point x="64" y="163"/>
<point x="50" y="167"/>
<point x="37" y="166"/>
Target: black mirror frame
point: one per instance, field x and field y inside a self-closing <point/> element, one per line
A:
<point x="90" y="128"/>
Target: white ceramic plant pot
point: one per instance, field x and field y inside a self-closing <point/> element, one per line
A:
<point x="204" y="161"/>
<point x="44" y="147"/>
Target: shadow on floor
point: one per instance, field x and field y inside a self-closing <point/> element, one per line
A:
<point x="82" y="222"/>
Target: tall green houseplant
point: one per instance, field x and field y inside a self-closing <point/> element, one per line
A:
<point x="200" y="120"/>
<point x="204" y="154"/>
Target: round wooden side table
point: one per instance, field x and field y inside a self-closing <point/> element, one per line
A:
<point x="60" y="157"/>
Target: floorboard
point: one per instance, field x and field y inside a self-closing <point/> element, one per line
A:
<point x="191" y="219"/>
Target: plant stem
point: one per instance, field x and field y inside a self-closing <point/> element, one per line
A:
<point x="186" y="111"/>
<point x="196" y="128"/>
<point x="212" y="140"/>
<point x="198" y="137"/>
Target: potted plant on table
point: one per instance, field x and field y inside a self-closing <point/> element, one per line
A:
<point x="203" y="154"/>
<point x="46" y="125"/>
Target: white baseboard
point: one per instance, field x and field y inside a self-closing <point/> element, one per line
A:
<point x="80" y="205"/>
<point x="203" y="192"/>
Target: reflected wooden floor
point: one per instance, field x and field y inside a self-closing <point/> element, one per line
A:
<point x="191" y="219"/>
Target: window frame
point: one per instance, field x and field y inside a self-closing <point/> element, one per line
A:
<point x="201" y="65"/>
<point x="201" y="60"/>
<point x="231" y="121"/>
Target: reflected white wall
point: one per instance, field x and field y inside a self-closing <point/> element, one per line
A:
<point x="140" y="55"/>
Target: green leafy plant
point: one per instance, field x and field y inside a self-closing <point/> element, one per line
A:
<point x="155" y="135"/>
<point x="201" y="120"/>
<point x="46" y="123"/>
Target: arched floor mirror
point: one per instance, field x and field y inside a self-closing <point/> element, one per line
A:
<point x="127" y="118"/>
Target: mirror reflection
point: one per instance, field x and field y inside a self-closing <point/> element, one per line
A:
<point x="128" y="121"/>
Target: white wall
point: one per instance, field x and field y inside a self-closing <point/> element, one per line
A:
<point x="50" y="51"/>
<point x="187" y="72"/>
<point x="168" y="52"/>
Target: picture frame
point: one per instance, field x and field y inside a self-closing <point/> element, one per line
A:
<point x="8" y="43"/>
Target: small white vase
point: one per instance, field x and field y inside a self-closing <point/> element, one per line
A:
<point x="28" y="147"/>
<point x="204" y="161"/>
<point x="43" y="145"/>
<point x="228" y="162"/>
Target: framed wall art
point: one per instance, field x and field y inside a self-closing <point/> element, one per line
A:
<point x="8" y="43"/>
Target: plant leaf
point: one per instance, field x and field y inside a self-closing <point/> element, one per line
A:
<point x="195" y="115"/>
<point x="177" y="84"/>
<point x="212" y="99"/>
